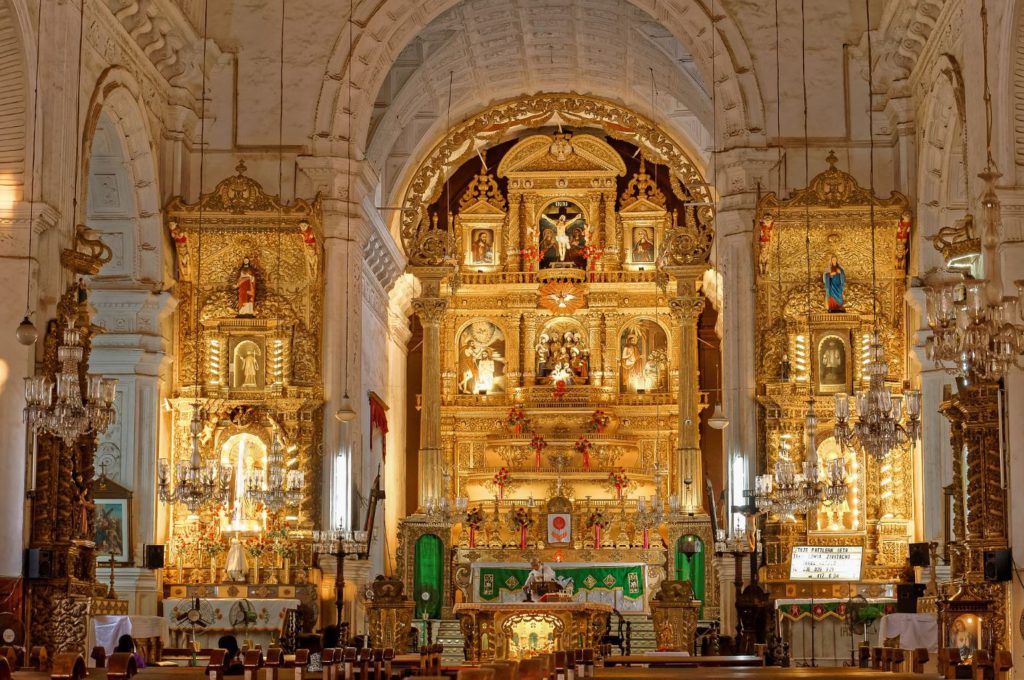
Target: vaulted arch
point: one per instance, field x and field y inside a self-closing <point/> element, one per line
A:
<point x="14" y="104"/>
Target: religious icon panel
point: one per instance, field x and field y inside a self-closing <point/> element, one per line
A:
<point x="643" y="357"/>
<point x="482" y="246"/>
<point x="643" y="245"/>
<point x="481" y="359"/>
<point x="832" y="362"/>
<point x="563" y="236"/>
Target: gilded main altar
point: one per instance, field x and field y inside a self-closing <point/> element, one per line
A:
<point x="251" y="268"/>
<point x="809" y="348"/>
<point x="561" y="400"/>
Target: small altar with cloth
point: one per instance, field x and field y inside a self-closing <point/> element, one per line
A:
<point x="521" y="629"/>
<point x="264" y="618"/>
<point x="622" y="586"/>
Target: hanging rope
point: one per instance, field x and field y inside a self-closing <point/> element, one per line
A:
<point x="32" y="170"/>
<point x="198" y="278"/>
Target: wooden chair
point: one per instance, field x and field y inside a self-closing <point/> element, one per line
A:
<point x="345" y="659"/>
<point x="864" y="655"/>
<point x="275" y="657"/>
<point x="215" y="666"/>
<point x="588" y="663"/>
<point x="388" y="658"/>
<point x="364" y="662"/>
<point x="886" y="659"/>
<point x="899" y="656"/>
<point x="1002" y="665"/>
<point x="560" y="665"/>
<point x="919" y="659"/>
<point x="301" y="661"/>
<point x="252" y="662"/>
<point x="475" y="674"/>
<point x="949" y="660"/>
<point x="38" y="660"/>
<point x="5" y="668"/>
<point x="122" y="666"/>
<point x="876" y="658"/>
<point x="98" y="655"/>
<point x="69" y="666"/>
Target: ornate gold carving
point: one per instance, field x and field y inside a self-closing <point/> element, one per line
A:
<point x="561" y="297"/>
<point x="430" y="310"/>
<point x="485" y="189"/>
<point x="959" y="241"/>
<point x="426" y="246"/>
<point x="641" y="187"/>
<point x="89" y="253"/>
<point x="686" y="309"/>
<point x="675" y="612"/>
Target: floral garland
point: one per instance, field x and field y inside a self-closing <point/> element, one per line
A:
<point x="597" y="519"/>
<point x="474" y="518"/>
<point x="530" y="255"/>
<point x="521" y="518"/>
<point x="255" y="546"/>
<point x="598" y="422"/>
<point x="501" y="479"/>
<point x="517" y="421"/>
<point x="210" y="543"/>
<point x="538" y="444"/>
<point x="582" y="447"/>
<point x="560" y="389"/>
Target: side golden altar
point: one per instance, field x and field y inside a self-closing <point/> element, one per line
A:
<point x="517" y="630"/>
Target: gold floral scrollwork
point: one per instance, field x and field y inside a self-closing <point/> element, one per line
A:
<point x="483" y="187"/>
<point x="430" y="310"/>
<point x="642" y="187"/>
<point x="686" y="308"/>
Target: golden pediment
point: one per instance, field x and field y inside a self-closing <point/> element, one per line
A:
<point x="834" y="188"/>
<point x="562" y="153"/>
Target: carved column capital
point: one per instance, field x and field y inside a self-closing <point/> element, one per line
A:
<point x="430" y="310"/>
<point x="686" y="308"/>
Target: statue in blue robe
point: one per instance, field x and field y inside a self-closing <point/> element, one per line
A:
<point x="835" y="286"/>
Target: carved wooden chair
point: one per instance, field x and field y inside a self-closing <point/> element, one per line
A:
<point x="122" y="666"/>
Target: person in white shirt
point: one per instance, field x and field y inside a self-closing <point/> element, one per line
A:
<point x="539" y="573"/>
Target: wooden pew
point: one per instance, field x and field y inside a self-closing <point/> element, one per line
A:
<point x="364" y="659"/>
<point x="38" y="660"/>
<point x="69" y="666"/>
<point x="864" y="655"/>
<point x="273" y="662"/>
<point x="5" y="668"/>
<point x="897" y="659"/>
<point x="252" y="662"/>
<point x="949" y="660"/>
<point x="122" y="666"/>
<point x="215" y="666"/>
<point x="919" y="660"/>
<point x="99" y="655"/>
<point x="301" y="661"/>
<point x="588" y="663"/>
<point x="1002" y="665"/>
<point x="389" y="657"/>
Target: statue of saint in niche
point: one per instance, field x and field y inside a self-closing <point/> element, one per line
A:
<point x="248" y="365"/>
<point x="831" y="364"/>
<point x="562" y="355"/>
<point x="643" y="357"/>
<point x="246" y="287"/>
<point x="835" y="286"/>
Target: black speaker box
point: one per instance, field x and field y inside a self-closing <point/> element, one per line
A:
<point x="919" y="556"/>
<point x="906" y="597"/>
<point x="154" y="557"/>
<point x="998" y="565"/>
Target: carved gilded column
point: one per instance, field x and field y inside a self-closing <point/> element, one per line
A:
<point x="529" y="333"/>
<point x="686" y="308"/>
<point x="430" y="308"/>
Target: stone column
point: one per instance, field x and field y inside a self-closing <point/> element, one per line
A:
<point x="686" y="308"/>
<point x="430" y="307"/>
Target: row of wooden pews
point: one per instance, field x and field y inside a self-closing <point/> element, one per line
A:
<point x="983" y="666"/>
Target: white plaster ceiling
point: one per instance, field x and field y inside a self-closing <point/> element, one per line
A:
<point x="496" y="49"/>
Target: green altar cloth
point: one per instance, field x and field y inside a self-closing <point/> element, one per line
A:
<point x="630" y="580"/>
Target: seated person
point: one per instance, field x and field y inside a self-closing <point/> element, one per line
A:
<point x="311" y="642"/>
<point x="330" y="638"/>
<point x="125" y="643"/>
<point x="232" y="660"/>
<point x="539" y="573"/>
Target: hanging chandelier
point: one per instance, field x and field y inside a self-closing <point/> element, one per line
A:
<point x="195" y="485"/>
<point x="57" y="407"/>
<point x="277" y="487"/>
<point x="785" y="491"/>
<point x="976" y="331"/>
<point x="879" y="427"/>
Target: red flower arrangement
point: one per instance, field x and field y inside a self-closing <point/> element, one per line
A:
<point x="619" y="480"/>
<point x="538" y="444"/>
<point x="582" y="447"/>
<point x="521" y="518"/>
<point x="531" y="256"/>
<point x="516" y="420"/>
<point x="560" y="389"/>
<point x="598" y="421"/>
<point x="501" y="478"/>
<point x="474" y="518"/>
<point x="597" y="521"/>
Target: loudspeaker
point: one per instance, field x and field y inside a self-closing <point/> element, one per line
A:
<point x="154" y="557"/>
<point x="38" y="563"/>
<point x="906" y="597"/>
<point x="919" y="556"/>
<point x="997" y="565"/>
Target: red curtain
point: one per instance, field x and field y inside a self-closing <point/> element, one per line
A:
<point x="379" y="421"/>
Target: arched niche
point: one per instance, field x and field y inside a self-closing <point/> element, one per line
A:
<point x="244" y="452"/>
<point x="481" y="358"/>
<point x="643" y="357"/>
<point x="691" y="564"/>
<point x="563" y="234"/>
<point x="428" y="576"/>
<point x="845" y="515"/>
<point x="562" y="352"/>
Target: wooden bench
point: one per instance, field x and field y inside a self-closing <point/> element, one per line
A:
<point x="301" y="661"/>
<point x="5" y="668"/>
<point x="123" y="666"/>
<point x="919" y="659"/>
<point x="273" y="662"/>
<point x="38" y="660"/>
<point x="215" y="666"/>
<point x="252" y="662"/>
<point x="69" y="666"/>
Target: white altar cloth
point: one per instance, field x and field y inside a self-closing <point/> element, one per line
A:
<point x="914" y="630"/>
<point x="266" y="628"/>
<point x="105" y="630"/>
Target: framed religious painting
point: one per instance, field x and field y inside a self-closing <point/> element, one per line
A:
<point x="832" y="362"/>
<point x="563" y="236"/>
<point x="112" y="521"/>
<point x="481" y="225"/>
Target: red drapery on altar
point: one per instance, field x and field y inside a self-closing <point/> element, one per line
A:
<point x="379" y="421"/>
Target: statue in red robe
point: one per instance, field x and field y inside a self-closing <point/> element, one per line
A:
<point x="246" y="289"/>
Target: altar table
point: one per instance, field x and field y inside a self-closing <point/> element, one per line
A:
<point x="512" y="630"/>
<point x="817" y="630"/>
<point x="149" y="632"/>
<point x="914" y="630"/>
<point x="270" y="615"/>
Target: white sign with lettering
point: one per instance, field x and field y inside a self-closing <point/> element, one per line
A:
<point x="826" y="563"/>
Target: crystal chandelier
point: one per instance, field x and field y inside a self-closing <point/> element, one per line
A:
<point x="195" y="484"/>
<point x="443" y="510"/>
<point x="879" y="427"/>
<point x="278" y="487"/>
<point x="340" y="542"/>
<point x="974" y="327"/>
<point x="786" y="492"/>
<point x="56" y="407"/>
